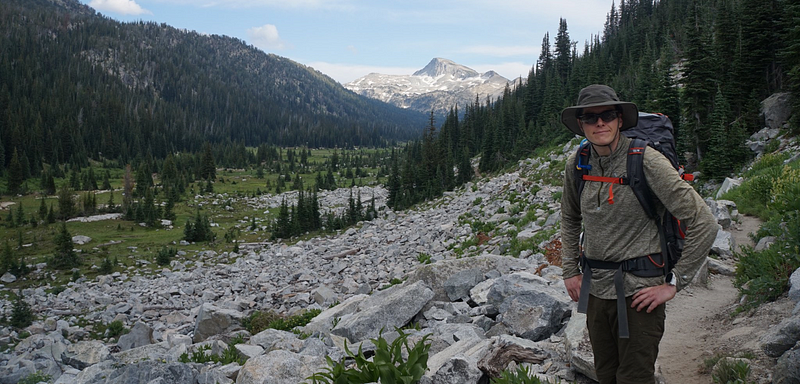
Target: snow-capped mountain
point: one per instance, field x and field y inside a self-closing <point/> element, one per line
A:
<point x="439" y="86"/>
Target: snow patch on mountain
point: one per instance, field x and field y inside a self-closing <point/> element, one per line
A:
<point x="441" y="85"/>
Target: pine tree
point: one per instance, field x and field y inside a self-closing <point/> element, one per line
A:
<point x="208" y="168"/>
<point x="21" y="313"/>
<point x="127" y="189"/>
<point x="42" y="210"/>
<point x="716" y="163"/>
<point x="66" y="202"/>
<point x="64" y="256"/>
<point x="16" y="175"/>
<point x="7" y="261"/>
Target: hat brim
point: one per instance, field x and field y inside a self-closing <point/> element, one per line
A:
<point x="630" y="115"/>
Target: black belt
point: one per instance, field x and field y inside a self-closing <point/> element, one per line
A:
<point x="643" y="266"/>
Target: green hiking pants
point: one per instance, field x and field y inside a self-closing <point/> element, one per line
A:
<point x="624" y="361"/>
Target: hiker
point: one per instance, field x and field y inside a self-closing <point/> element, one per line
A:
<point x="618" y="234"/>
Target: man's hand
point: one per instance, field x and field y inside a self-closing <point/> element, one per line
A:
<point x="652" y="297"/>
<point x="573" y="285"/>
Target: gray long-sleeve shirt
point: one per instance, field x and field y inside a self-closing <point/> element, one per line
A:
<point x="622" y="231"/>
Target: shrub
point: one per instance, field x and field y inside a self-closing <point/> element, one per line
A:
<point x="165" y="255"/>
<point x="106" y="267"/>
<point x="387" y="366"/>
<point x="116" y="328"/>
<point x="730" y="371"/>
<point x="21" y="313"/>
<point x="35" y="378"/>
<point x="763" y="276"/>
<point x="259" y="321"/>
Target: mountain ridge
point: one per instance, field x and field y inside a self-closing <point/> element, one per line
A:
<point x="439" y="86"/>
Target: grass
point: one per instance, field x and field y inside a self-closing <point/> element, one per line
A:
<point x="130" y="243"/>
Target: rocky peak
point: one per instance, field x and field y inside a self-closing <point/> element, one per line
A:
<point x="438" y="67"/>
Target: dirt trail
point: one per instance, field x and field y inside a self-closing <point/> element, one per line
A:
<point x="699" y="325"/>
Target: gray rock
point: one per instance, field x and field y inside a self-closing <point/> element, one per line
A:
<point x="212" y="320"/>
<point x="764" y="243"/>
<point x="80" y="239"/>
<point x="579" y="349"/>
<point x="324" y="295"/>
<point x="724" y="244"/>
<point x="393" y="307"/>
<point x="434" y="275"/>
<point x="776" y="110"/>
<point x="720" y="212"/>
<point x="533" y="315"/>
<point x="456" y="370"/>
<point x="458" y="286"/>
<point x="274" y="339"/>
<point x="248" y="351"/>
<point x="324" y="322"/>
<point x="8" y="278"/>
<point x="781" y="337"/>
<point x="721" y="267"/>
<point x="787" y="370"/>
<point x="279" y="367"/>
<point x="141" y="334"/>
<point x="85" y="353"/>
<point x="794" y="286"/>
<point x="728" y="185"/>
<point x="147" y="372"/>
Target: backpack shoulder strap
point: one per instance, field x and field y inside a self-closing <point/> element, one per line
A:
<point x="582" y="166"/>
<point x="636" y="177"/>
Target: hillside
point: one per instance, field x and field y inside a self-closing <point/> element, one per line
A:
<point x="76" y="84"/>
<point x="478" y="269"/>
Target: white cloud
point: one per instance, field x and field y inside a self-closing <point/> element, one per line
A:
<point x="345" y="73"/>
<point x="265" y="37"/>
<point x="124" y="7"/>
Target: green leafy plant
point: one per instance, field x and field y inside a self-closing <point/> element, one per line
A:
<point x="521" y="375"/>
<point x="259" y="321"/>
<point x="424" y="258"/>
<point x="202" y="355"/>
<point x="392" y="283"/>
<point x="731" y="372"/>
<point x="116" y="328"/>
<point x="387" y="366"/>
<point x="35" y="378"/>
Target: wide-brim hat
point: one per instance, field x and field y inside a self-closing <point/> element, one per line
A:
<point x="598" y="95"/>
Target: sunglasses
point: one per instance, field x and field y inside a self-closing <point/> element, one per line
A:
<point x="606" y="116"/>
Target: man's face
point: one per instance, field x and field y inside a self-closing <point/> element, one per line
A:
<point x="603" y="131"/>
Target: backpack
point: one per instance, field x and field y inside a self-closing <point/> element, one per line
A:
<point x="655" y="131"/>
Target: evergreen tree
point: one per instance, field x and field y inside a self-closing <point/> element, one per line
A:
<point x="21" y="313"/>
<point x="66" y="202"/>
<point x="42" y="210"/>
<point x="716" y="164"/>
<point x="208" y="168"/>
<point x="64" y="256"/>
<point x="107" y="181"/>
<point x="127" y="189"/>
<point x="7" y="261"/>
<point x="16" y="175"/>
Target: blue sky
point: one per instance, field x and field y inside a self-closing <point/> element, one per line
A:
<point x="347" y="39"/>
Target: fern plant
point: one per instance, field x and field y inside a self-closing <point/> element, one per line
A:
<point x="388" y="364"/>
